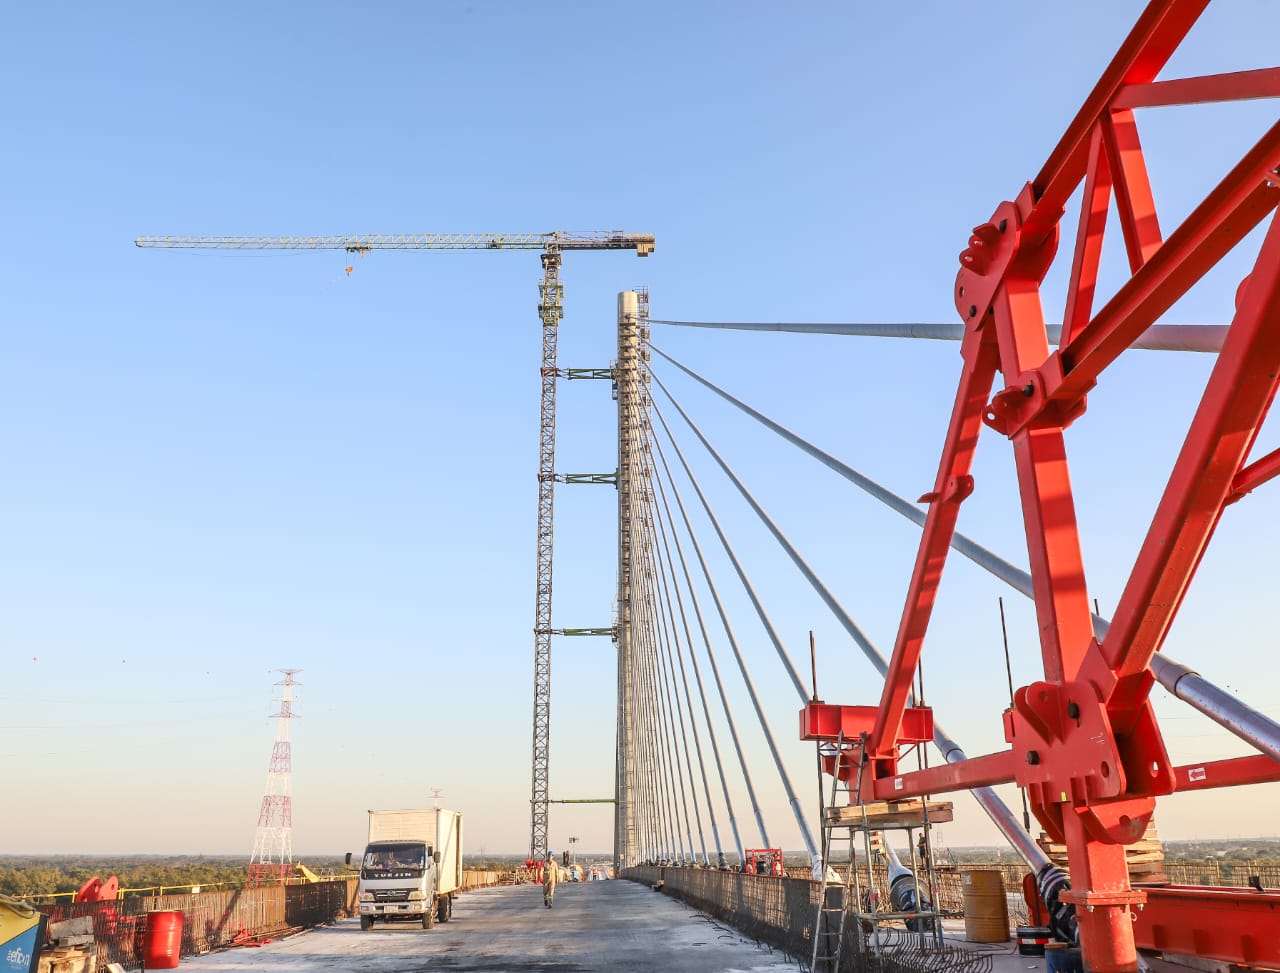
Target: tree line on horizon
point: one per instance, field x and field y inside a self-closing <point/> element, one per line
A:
<point x="36" y="875"/>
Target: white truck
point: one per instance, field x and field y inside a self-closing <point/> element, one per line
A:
<point x="412" y="866"/>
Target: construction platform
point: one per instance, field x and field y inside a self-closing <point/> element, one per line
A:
<point x="615" y="925"/>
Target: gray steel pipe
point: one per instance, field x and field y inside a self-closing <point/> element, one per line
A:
<point x="1205" y="338"/>
<point x="1217" y="704"/>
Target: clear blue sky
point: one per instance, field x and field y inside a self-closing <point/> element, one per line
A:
<point x="220" y="464"/>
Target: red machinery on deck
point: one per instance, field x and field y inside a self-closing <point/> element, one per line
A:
<point x="1084" y="742"/>
<point x="764" y="861"/>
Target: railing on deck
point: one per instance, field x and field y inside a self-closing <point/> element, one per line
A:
<point x="219" y="919"/>
<point x="780" y="911"/>
<point x="211" y="920"/>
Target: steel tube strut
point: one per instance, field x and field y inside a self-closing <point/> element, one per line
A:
<point x="1218" y="704"/>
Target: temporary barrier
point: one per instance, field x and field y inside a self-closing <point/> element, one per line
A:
<point x="1033" y="939"/>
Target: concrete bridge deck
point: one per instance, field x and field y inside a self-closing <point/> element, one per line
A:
<point x="614" y="926"/>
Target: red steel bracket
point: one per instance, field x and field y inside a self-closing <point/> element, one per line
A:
<point x="1233" y="925"/>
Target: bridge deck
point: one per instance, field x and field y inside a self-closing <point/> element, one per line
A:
<point x="616" y="926"/>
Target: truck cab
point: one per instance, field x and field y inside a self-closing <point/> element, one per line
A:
<point x="398" y="881"/>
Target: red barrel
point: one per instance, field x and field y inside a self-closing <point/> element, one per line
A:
<point x="162" y="941"/>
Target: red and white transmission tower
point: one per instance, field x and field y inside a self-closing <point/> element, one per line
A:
<point x="273" y="843"/>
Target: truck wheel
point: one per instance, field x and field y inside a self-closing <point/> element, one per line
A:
<point x="366" y="923"/>
<point x="444" y="909"/>
<point x="429" y="917"/>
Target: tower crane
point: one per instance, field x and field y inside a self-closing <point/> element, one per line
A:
<point x="551" y="293"/>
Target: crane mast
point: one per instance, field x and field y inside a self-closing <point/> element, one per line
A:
<point x="550" y="310"/>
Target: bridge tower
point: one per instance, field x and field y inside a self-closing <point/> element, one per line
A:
<point x="273" y="843"/>
<point x="632" y="384"/>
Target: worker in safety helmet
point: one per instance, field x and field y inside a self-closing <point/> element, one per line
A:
<point x="549" y="878"/>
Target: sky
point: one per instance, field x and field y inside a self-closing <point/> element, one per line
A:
<point x="222" y="464"/>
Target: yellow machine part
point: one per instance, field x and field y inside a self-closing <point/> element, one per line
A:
<point x="20" y="927"/>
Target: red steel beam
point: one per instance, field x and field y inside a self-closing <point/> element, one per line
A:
<point x="1088" y="253"/>
<point x="1141" y="57"/>
<point x="1233" y="925"/>
<point x="829" y="722"/>
<point x="1235" y="86"/>
<point x="1234" y="405"/>
<point x="1135" y="205"/>
<point x="984" y="771"/>
<point x="951" y="487"/>
<point x="1254" y="475"/>
<point x="1243" y="199"/>
<point x="1257" y="769"/>
<point x="1053" y="542"/>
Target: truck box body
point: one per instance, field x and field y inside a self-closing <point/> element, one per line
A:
<point x="399" y="877"/>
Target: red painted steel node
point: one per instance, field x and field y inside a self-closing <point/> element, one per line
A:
<point x="1071" y="760"/>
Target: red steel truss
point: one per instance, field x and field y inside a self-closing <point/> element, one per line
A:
<point x="1085" y="743"/>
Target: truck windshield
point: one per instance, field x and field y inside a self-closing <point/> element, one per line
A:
<point x="401" y="859"/>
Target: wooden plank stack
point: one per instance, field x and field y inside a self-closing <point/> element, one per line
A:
<point x="68" y="959"/>
<point x="1145" y="857"/>
<point x="890" y="814"/>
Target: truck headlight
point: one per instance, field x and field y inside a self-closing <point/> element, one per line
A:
<point x="366" y="896"/>
<point x="417" y="895"/>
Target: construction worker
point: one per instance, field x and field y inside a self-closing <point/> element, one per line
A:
<point x="549" y="878"/>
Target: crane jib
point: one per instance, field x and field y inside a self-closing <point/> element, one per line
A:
<point x="642" y="243"/>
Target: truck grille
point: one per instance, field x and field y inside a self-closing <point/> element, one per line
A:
<point x="390" y="895"/>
